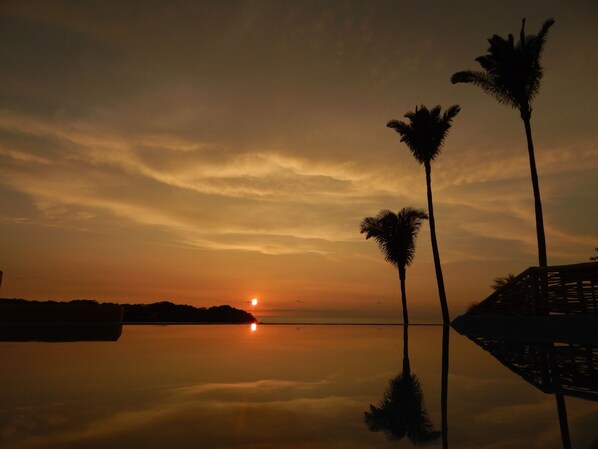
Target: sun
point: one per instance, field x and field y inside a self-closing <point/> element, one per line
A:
<point x="254" y="302"/>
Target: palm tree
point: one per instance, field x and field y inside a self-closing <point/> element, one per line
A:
<point x="424" y="136"/>
<point x="512" y="73"/>
<point x="395" y="235"/>
<point x="501" y="281"/>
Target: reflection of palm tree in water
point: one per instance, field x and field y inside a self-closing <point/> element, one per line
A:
<point x="444" y="385"/>
<point x="554" y="379"/>
<point x="402" y="413"/>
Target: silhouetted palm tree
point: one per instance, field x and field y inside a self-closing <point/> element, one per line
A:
<point x="395" y="235"/>
<point x="424" y="135"/>
<point x="501" y="281"/>
<point x="512" y="73"/>
<point x="401" y="413"/>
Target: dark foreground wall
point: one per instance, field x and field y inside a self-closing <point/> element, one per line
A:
<point x="575" y="328"/>
<point x="53" y="322"/>
<point x="37" y="312"/>
<point x="60" y="332"/>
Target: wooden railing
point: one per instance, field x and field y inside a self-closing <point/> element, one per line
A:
<point x="558" y="290"/>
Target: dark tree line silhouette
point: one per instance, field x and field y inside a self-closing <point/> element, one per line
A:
<point x="158" y="312"/>
<point x="168" y="312"/>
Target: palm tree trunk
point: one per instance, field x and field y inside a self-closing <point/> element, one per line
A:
<point x="437" y="266"/>
<point x="537" y="201"/>
<point x="404" y="297"/>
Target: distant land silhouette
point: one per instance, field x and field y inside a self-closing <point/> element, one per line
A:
<point x="159" y="312"/>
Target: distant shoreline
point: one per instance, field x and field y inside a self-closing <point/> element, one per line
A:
<point x="345" y="324"/>
<point x="17" y="310"/>
<point x="149" y="323"/>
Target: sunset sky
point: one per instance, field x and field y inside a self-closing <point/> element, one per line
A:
<point x="211" y="152"/>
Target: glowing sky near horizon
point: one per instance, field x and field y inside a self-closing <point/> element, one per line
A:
<point x="208" y="152"/>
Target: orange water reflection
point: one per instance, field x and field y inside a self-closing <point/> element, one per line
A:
<point x="285" y="387"/>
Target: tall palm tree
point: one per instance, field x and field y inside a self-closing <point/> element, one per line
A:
<point x="395" y="235"/>
<point x="424" y="135"/>
<point x="511" y="72"/>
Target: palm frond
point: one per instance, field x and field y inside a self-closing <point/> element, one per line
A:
<point x="501" y="281"/>
<point x="402" y="128"/>
<point x="451" y="113"/>
<point x="522" y="32"/>
<point x="487" y="83"/>
<point x="532" y="47"/>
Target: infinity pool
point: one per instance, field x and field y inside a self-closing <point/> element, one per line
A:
<point x="280" y="386"/>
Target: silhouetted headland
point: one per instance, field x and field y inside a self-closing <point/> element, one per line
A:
<point x="88" y="320"/>
<point x="167" y="312"/>
<point x="90" y="311"/>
